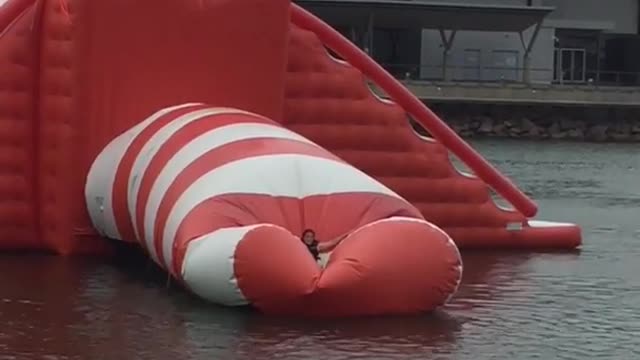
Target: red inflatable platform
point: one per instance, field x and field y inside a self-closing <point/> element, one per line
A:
<point x="119" y="117"/>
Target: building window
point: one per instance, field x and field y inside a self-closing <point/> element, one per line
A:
<point x="504" y="65"/>
<point x="472" y="65"/>
<point x="570" y="65"/>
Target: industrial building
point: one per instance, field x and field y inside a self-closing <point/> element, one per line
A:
<point x="589" y="42"/>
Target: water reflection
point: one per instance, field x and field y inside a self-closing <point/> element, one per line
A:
<point x="389" y="337"/>
<point x="71" y="308"/>
<point x="245" y="334"/>
<point x="38" y="295"/>
<point x="86" y="308"/>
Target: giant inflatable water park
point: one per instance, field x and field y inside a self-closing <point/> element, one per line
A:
<point x="214" y="134"/>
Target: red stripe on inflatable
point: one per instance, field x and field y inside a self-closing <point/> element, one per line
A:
<point x="411" y="104"/>
<point x="416" y="264"/>
<point x="273" y="268"/>
<point x="121" y="182"/>
<point x="173" y="145"/>
<point x="328" y="215"/>
<point x="215" y="158"/>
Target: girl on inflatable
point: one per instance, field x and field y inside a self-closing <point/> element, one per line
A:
<point x="316" y="248"/>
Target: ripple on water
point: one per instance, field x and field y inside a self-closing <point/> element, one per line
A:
<point x="509" y="305"/>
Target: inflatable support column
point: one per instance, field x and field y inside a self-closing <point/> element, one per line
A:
<point x="219" y="197"/>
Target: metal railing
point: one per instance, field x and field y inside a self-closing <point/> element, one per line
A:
<point x="513" y="75"/>
<point x="613" y="78"/>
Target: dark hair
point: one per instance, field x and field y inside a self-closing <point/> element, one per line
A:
<point x="307" y="231"/>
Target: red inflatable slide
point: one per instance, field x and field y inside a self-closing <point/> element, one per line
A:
<point x="213" y="133"/>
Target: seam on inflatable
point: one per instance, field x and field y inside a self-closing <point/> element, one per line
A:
<point x="450" y="242"/>
<point x="233" y="280"/>
<point x="16" y="19"/>
<point x="462" y="173"/>
<point x="366" y="81"/>
<point x="458" y="282"/>
<point x="410" y="128"/>
<point x="116" y="150"/>
<point x="151" y="147"/>
<point x="336" y="60"/>
<point x="410" y="219"/>
<point x="38" y="10"/>
<point x="175" y="165"/>
<point x="175" y="213"/>
<point x="129" y="138"/>
<point x="424" y="138"/>
<point x="170" y="171"/>
<point x="384" y="101"/>
<point x="304" y="19"/>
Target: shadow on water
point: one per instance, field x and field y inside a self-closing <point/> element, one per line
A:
<point x="247" y="334"/>
<point x="398" y="336"/>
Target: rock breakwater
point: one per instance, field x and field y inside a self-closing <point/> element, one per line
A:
<point x="542" y="122"/>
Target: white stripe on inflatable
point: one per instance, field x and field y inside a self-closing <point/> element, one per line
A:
<point x="286" y="175"/>
<point x="547" y="224"/>
<point x="208" y="265"/>
<point x="102" y="174"/>
<point x="194" y="150"/>
<point x="150" y="149"/>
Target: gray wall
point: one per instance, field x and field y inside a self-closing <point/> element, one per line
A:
<point x="480" y="51"/>
<point x="615" y="16"/>
<point x="489" y="50"/>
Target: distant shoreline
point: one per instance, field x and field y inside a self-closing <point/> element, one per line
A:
<point x="540" y="122"/>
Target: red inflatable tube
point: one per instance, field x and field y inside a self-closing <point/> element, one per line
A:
<point x="440" y="131"/>
<point x="220" y="197"/>
<point x="11" y="10"/>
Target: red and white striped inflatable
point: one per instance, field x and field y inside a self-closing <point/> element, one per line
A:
<point x="219" y="197"/>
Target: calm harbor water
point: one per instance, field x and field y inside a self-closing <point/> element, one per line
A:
<point x="582" y="305"/>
